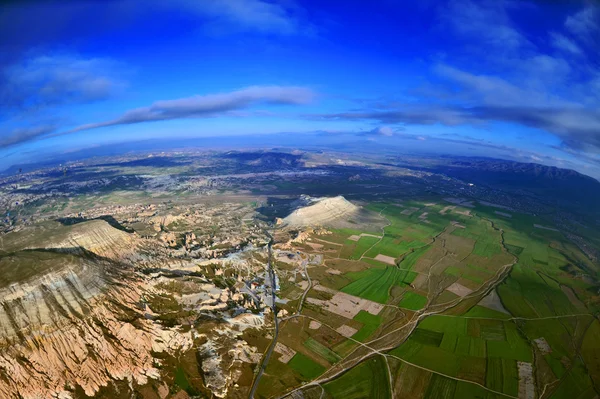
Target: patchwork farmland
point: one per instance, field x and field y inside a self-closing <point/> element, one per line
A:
<point x="443" y="301"/>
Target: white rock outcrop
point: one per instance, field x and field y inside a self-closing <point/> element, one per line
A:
<point x="322" y="212"/>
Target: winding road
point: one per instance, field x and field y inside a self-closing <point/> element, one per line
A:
<point x="271" y="348"/>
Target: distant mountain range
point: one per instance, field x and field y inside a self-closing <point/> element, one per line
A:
<point x="555" y="184"/>
<point x="271" y="159"/>
<point x="562" y="187"/>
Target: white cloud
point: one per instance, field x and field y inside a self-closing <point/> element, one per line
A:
<point x="20" y="135"/>
<point x="52" y="80"/>
<point x="256" y="15"/>
<point x="563" y="43"/>
<point x="585" y="24"/>
<point x="382" y="131"/>
<point x="209" y="105"/>
<point x="487" y="22"/>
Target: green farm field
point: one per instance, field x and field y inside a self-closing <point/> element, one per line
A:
<point x="367" y="380"/>
<point x="305" y="366"/>
<point x="539" y="320"/>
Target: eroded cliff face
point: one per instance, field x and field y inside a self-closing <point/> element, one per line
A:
<point x="90" y="308"/>
<point x="97" y="237"/>
<point x="87" y="352"/>
<point x="81" y="323"/>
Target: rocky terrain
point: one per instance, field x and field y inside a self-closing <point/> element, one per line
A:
<point x="81" y="324"/>
<point x="104" y="303"/>
<point x="323" y="211"/>
<point x="121" y="280"/>
<point x="334" y="212"/>
<point x="115" y="292"/>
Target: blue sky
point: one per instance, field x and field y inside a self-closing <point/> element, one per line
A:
<point x="502" y="78"/>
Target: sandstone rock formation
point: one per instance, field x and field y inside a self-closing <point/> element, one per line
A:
<point x="89" y="306"/>
<point x="322" y="212"/>
<point x="80" y="322"/>
<point x="98" y="237"/>
<point x="65" y="331"/>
